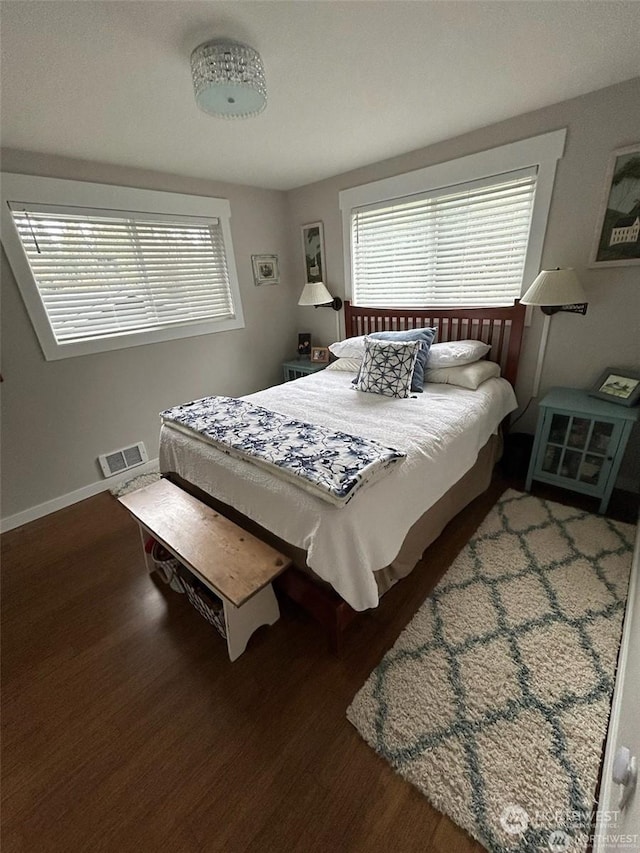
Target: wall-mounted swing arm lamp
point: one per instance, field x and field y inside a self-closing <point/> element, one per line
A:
<point x="556" y="290"/>
<point x="315" y="293"/>
<point x="553" y="291"/>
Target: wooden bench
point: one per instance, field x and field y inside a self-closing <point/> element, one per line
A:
<point x="233" y="564"/>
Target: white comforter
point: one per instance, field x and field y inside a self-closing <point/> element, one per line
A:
<point x="441" y="432"/>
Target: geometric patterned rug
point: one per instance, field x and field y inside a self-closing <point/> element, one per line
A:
<point x="495" y="699"/>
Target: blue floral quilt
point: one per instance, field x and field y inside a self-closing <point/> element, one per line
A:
<point x="332" y="465"/>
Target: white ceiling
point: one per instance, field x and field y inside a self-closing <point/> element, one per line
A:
<point x="349" y="83"/>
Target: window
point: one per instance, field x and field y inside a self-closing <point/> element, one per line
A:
<point x="454" y="246"/>
<point x="464" y="233"/>
<point x="97" y="278"/>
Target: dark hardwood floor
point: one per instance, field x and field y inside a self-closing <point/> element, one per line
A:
<point x="125" y="726"/>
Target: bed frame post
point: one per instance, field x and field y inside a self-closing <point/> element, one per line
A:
<point x="322" y="603"/>
<point x="515" y="342"/>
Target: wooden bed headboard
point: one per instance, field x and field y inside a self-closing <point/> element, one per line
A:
<point x="500" y="327"/>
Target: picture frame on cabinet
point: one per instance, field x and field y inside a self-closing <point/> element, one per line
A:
<point x="320" y="355"/>
<point x="618" y="385"/>
<point x="304" y="344"/>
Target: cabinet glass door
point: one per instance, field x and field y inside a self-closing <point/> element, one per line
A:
<point x="578" y="449"/>
<point x="579" y="433"/>
<point x="551" y="460"/>
<point x="600" y="437"/>
<point x="591" y="469"/>
<point x="559" y="428"/>
<point x="571" y="464"/>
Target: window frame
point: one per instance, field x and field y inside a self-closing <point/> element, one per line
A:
<point x="28" y="189"/>
<point x="541" y="151"/>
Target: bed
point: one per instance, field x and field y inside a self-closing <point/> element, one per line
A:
<point x="346" y="557"/>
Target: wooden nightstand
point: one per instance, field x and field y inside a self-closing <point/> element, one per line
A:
<point x="580" y="441"/>
<point x="294" y="369"/>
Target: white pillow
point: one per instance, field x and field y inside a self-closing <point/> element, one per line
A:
<point x="465" y="375"/>
<point x="349" y="348"/>
<point x="455" y="353"/>
<point x="347" y="365"/>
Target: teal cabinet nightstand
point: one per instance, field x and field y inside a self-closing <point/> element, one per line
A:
<point x="295" y="369"/>
<point x="580" y="441"/>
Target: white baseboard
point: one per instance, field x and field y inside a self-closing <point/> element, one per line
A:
<point x="61" y="502"/>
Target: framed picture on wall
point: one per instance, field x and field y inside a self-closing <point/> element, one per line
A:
<point x="265" y="269"/>
<point x="617" y="238"/>
<point x="313" y="249"/>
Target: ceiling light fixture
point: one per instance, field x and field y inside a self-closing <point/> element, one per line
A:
<point x="228" y="79"/>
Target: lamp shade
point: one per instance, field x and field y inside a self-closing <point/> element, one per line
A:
<point x="555" y="287"/>
<point x="228" y="79"/>
<point x="315" y="293"/>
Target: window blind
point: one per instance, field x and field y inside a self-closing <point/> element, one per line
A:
<point x="103" y="273"/>
<point x="457" y="246"/>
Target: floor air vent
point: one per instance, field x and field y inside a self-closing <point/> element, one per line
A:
<point x="123" y="459"/>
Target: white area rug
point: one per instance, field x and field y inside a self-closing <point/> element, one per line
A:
<point x="495" y="699"/>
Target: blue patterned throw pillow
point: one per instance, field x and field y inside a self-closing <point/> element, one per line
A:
<point x="387" y="367"/>
<point x="426" y="337"/>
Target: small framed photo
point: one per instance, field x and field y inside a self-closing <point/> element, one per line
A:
<point x="304" y="344"/>
<point x="265" y="269"/>
<point x="320" y="355"/>
<point x="618" y="385"/>
<point x="313" y="249"/>
<point x="617" y="239"/>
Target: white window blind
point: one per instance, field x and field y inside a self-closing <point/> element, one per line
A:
<point x="102" y="267"/>
<point x="104" y="273"/>
<point x="458" y="246"/>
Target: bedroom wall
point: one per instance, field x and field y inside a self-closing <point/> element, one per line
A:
<point x="57" y="416"/>
<point x="580" y="348"/>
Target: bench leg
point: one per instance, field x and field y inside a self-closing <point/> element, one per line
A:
<point x="241" y="622"/>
